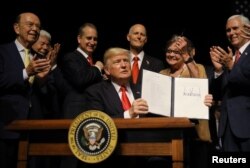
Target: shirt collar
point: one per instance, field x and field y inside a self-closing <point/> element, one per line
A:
<point x="19" y="46"/>
<point x="82" y="52"/>
<point x="242" y="49"/>
<point x="140" y="56"/>
<point x="117" y="87"/>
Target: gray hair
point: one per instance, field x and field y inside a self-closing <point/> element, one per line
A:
<point x="243" y="18"/>
<point x="46" y="34"/>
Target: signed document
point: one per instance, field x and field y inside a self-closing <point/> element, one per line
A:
<point x="175" y="97"/>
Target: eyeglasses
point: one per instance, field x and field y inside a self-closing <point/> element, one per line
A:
<point x="173" y="51"/>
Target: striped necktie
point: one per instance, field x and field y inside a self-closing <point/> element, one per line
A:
<point x="237" y="56"/>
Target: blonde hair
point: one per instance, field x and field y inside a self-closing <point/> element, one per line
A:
<point x="111" y="52"/>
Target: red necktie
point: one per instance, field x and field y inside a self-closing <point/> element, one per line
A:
<point x="90" y="60"/>
<point x="124" y="98"/>
<point x="135" y="69"/>
<point x="237" y="56"/>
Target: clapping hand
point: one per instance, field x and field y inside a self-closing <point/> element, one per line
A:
<point x="220" y="58"/>
<point x="51" y="56"/>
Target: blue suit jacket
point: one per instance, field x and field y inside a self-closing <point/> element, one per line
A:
<point x="236" y="97"/>
<point x="14" y="90"/>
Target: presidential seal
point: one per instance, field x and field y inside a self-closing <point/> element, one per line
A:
<point x="92" y="136"/>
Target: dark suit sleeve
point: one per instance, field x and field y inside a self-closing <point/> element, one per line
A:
<point x="78" y="72"/>
<point x="159" y="66"/>
<point x="94" y="98"/>
<point x="59" y="82"/>
<point x="152" y="64"/>
<point x="102" y="96"/>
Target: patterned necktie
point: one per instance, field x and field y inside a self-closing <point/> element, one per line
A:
<point x="27" y="62"/>
<point x="90" y="60"/>
<point x="124" y="98"/>
<point x="237" y="56"/>
<point x="135" y="69"/>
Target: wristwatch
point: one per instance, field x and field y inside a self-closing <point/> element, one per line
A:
<point x="190" y="59"/>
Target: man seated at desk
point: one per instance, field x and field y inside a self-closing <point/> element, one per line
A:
<point x="108" y="96"/>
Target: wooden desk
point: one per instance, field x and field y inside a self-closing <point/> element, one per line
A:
<point x="173" y="148"/>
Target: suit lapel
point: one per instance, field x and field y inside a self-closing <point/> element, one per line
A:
<point x="16" y="57"/>
<point x="136" y="92"/>
<point x="244" y="54"/>
<point x="242" y="57"/>
<point x="145" y="62"/>
<point x="82" y="58"/>
<point x="114" y="97"/>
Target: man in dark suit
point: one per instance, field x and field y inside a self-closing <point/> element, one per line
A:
<point x="233" y="77"/>
<point x="106" y="95"/>
<point x="80" y="71"/>
<point x="137" y="37"/>
<point x="15" y="86"/>
<point x="49" y="98"/>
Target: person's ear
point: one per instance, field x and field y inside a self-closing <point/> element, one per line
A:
<point x="106" y="70"/>
<point x="192" y="54"/>
<point x="16" y="28"/>
<point x="128" y="37"/>
<point x="79" y="39"/>
<point x="146" y="40"/>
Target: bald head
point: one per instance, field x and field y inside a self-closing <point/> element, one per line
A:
<point x="23" y="16"/>
<point x="137" y="26"/>
<point x="137" y="38"/>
